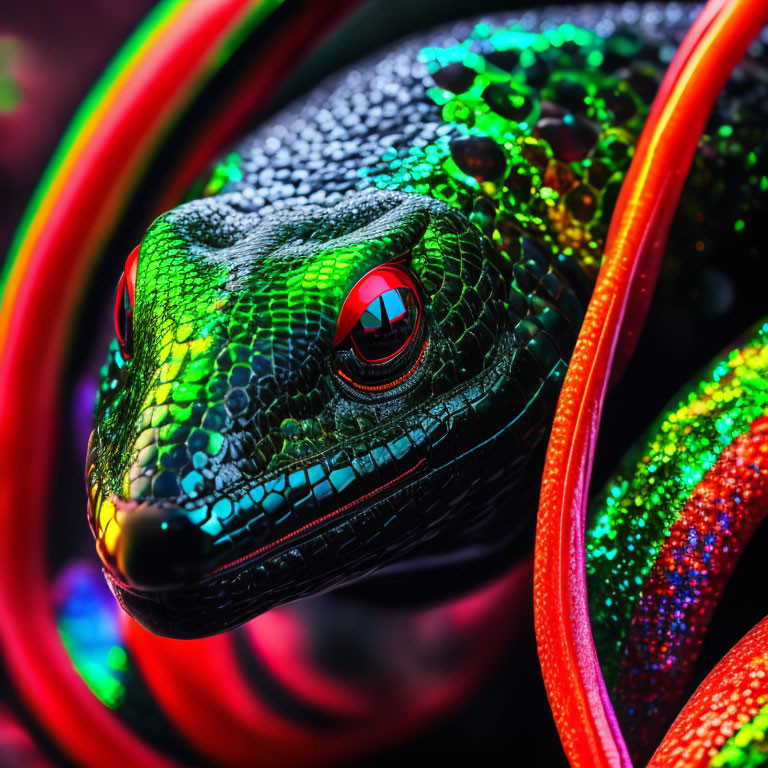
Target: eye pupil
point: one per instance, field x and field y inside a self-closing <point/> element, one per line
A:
<point x="380" y="337"/>
<point x="387" y="325"/>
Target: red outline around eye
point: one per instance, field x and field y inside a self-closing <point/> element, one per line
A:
<point x="367" y="289"/>
<point x="127" y="280"/>
<point x="391" y="384"/>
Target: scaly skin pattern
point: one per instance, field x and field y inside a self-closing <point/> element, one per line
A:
<point x="666" y="533"/>
<point x="242" y="457"/>
<point x="724" y="724"/>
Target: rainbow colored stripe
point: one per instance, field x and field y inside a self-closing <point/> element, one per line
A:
<point x="96" y="111"/>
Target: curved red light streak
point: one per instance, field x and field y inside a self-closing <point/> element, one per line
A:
<point x="581" y="708"/>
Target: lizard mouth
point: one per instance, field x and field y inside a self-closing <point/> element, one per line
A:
<point x="188" y="598"/>
<point x="150" y="550"/>
<point x="315" y="525"/>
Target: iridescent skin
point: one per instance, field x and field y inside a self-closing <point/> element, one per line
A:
<point x="666" y="531"/>
<point x="233" y="467"/>
<point x="654" y="482"/>
<point x="746" y="748"/>
<point x="723" y="723"/>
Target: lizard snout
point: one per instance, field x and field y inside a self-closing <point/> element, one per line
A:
<point x="150" y="547"/>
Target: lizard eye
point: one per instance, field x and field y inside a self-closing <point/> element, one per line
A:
<point x="124" y="304"/>
<point x="379" y="327"/>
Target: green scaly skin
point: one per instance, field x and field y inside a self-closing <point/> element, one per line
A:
<point x="234" y="466"/>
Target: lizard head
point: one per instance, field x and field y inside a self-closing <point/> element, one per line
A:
<point x="292" y="404"/>
<point x="340" y="362"/>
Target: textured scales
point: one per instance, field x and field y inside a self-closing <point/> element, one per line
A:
<point x="233" y="467"/>
<point x="667" y="531"/>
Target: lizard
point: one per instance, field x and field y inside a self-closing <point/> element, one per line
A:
<point x="543" y="250"/>
<point x="338" y="363"/>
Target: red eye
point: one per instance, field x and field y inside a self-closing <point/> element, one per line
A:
<point x="381" y="314"/>
<point x="124" y="304"/>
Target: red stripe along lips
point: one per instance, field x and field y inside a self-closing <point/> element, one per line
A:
<point x="147" y="548"/>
